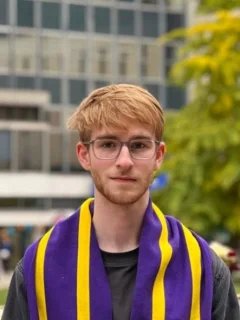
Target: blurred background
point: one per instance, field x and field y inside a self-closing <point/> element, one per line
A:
<point x="53" y="53"/>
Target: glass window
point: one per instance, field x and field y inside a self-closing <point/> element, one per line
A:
<point x="51" y="15"/>
<point x="4" y="11"/>
<point x="51" y="54"/>
<point x="127" y="62"/>
<point x="4" y="81"/>
<point x="151" y="60"/>
<point x="25" y="53"/>
<point x="77" y="58"/>
<point x="19" y="113"/>
<point x="77" y="91"/>
<point x="149" y="1"/>
<point x="29" y="150"/>
<point x="25" y="13"/>
<point x="99" y="84"/>
<point x="153" y="89"/>
<point x="77" y="17"/>
<point x="176" y="97"/>
<point x="5" y="150"/>
<point x="56" y="151"/>
<point x="175" y="20"/>
<point x="4" y="52"/>
<point x="25" y="82"/>
<point x="126" y="22"/>
<point x="102" y="56"/>
<point x="150" y="24"/>
<point x="54" y="87"/>
<point x="102" y="20"/>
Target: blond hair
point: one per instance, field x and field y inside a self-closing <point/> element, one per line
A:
<point x="111" y="105"/>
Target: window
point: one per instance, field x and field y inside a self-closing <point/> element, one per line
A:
<point x="77" y="17"/>
<point x="56" y="151"/>
<point x="25" y="82"/>
<point x="51" y="54"/>
<point x="53" y="86"/>
<point x="126" y="22"/>
<point x="99" y="84"/>
<point x="127" y="62"/>
<point x="175" y="20"/>
<point x="25" y="13"/>
<point x="29" y="150"/>
<point x="5" y="150"/>
<point x="4" y="52"/>
<point x="153" y="89"/>
<point x="150" y="24"/>
<point x="149" y="1"/>
<point x="151" y="60"/>
<point x="77" y="91"/>
<point x="19" y="113"/>
<point x="102" y="20"/>
<point x="51" y="15"/>
<point x="77" y="58"/>
<point x="4" y="11"/>
<point x="25" y="53"/>
<point x="102" y="56"/>
<point x="4" y="81"/>
<point x="176" y="97"/>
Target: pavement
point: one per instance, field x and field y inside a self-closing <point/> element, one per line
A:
<point x="5" y="278"/>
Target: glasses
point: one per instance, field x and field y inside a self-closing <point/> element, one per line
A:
<point x="109" y="149"/>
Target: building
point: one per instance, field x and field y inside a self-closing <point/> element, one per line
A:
<point x="52" y="53"/>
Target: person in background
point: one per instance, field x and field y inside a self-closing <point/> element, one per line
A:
<point x="118" y="256"/>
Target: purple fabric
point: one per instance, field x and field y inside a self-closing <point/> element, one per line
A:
<point x="178" y="303"/>
<point x="29" y="277"/>
<point x="100" y="294"/>
<point x="148" y="264"/>
<point x="60" y="265"/>
<point x="207" y="284"/>
<point x="60" y="273"/>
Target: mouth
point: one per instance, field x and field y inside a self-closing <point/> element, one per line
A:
<point x="123" y="179"/>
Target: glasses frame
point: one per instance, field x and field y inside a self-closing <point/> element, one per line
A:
<point x="122" y="143"/>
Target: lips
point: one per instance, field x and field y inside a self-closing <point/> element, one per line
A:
<point x="127" y="179"/>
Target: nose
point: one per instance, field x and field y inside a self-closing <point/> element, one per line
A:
<point x="124" y="158"/>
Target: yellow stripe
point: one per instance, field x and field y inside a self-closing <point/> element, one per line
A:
<point x="158" y="295"/>
<point x="194" y="253"/>
<point x="39" y="276"/>
<point x="83" y="261"/>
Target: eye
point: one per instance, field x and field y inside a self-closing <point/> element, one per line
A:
<point x="140" y="144"/>
<point x="107" y="144"/>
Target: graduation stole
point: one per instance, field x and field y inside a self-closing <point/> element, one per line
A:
<point x="65" y="277"/>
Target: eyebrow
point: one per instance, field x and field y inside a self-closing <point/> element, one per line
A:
<point x="114" y="137"/>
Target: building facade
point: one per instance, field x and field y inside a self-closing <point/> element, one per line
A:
<point x="52" y="54"/>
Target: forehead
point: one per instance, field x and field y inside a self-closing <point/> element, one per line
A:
<point x="129" y="131"/>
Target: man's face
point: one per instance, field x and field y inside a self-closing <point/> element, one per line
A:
<point x="123" y="180"/>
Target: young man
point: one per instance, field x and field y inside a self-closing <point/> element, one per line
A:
<point x="118" y="257"/>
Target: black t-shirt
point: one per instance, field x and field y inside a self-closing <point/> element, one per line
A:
<point x="121" y="269"/>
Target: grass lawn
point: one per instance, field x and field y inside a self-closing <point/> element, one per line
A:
<point x="3" y="295"/>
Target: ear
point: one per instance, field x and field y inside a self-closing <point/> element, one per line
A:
<point x="83" y="155"/>
<point x="161" y="150"/>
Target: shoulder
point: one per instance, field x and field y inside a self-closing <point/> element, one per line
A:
<point x="225" y="303"/>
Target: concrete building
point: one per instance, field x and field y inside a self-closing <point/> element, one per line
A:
<point x="52" y="53"/>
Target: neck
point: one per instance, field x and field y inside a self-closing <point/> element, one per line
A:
<point x="118" y="226"/>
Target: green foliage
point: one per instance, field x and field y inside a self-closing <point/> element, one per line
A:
<point x="213" y="5"/>
<point x="203" y="138"/>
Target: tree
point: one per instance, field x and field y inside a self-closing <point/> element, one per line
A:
<point x="203" y="138"/>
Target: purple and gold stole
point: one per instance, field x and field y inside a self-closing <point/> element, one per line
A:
<point x="65" y="277"/>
